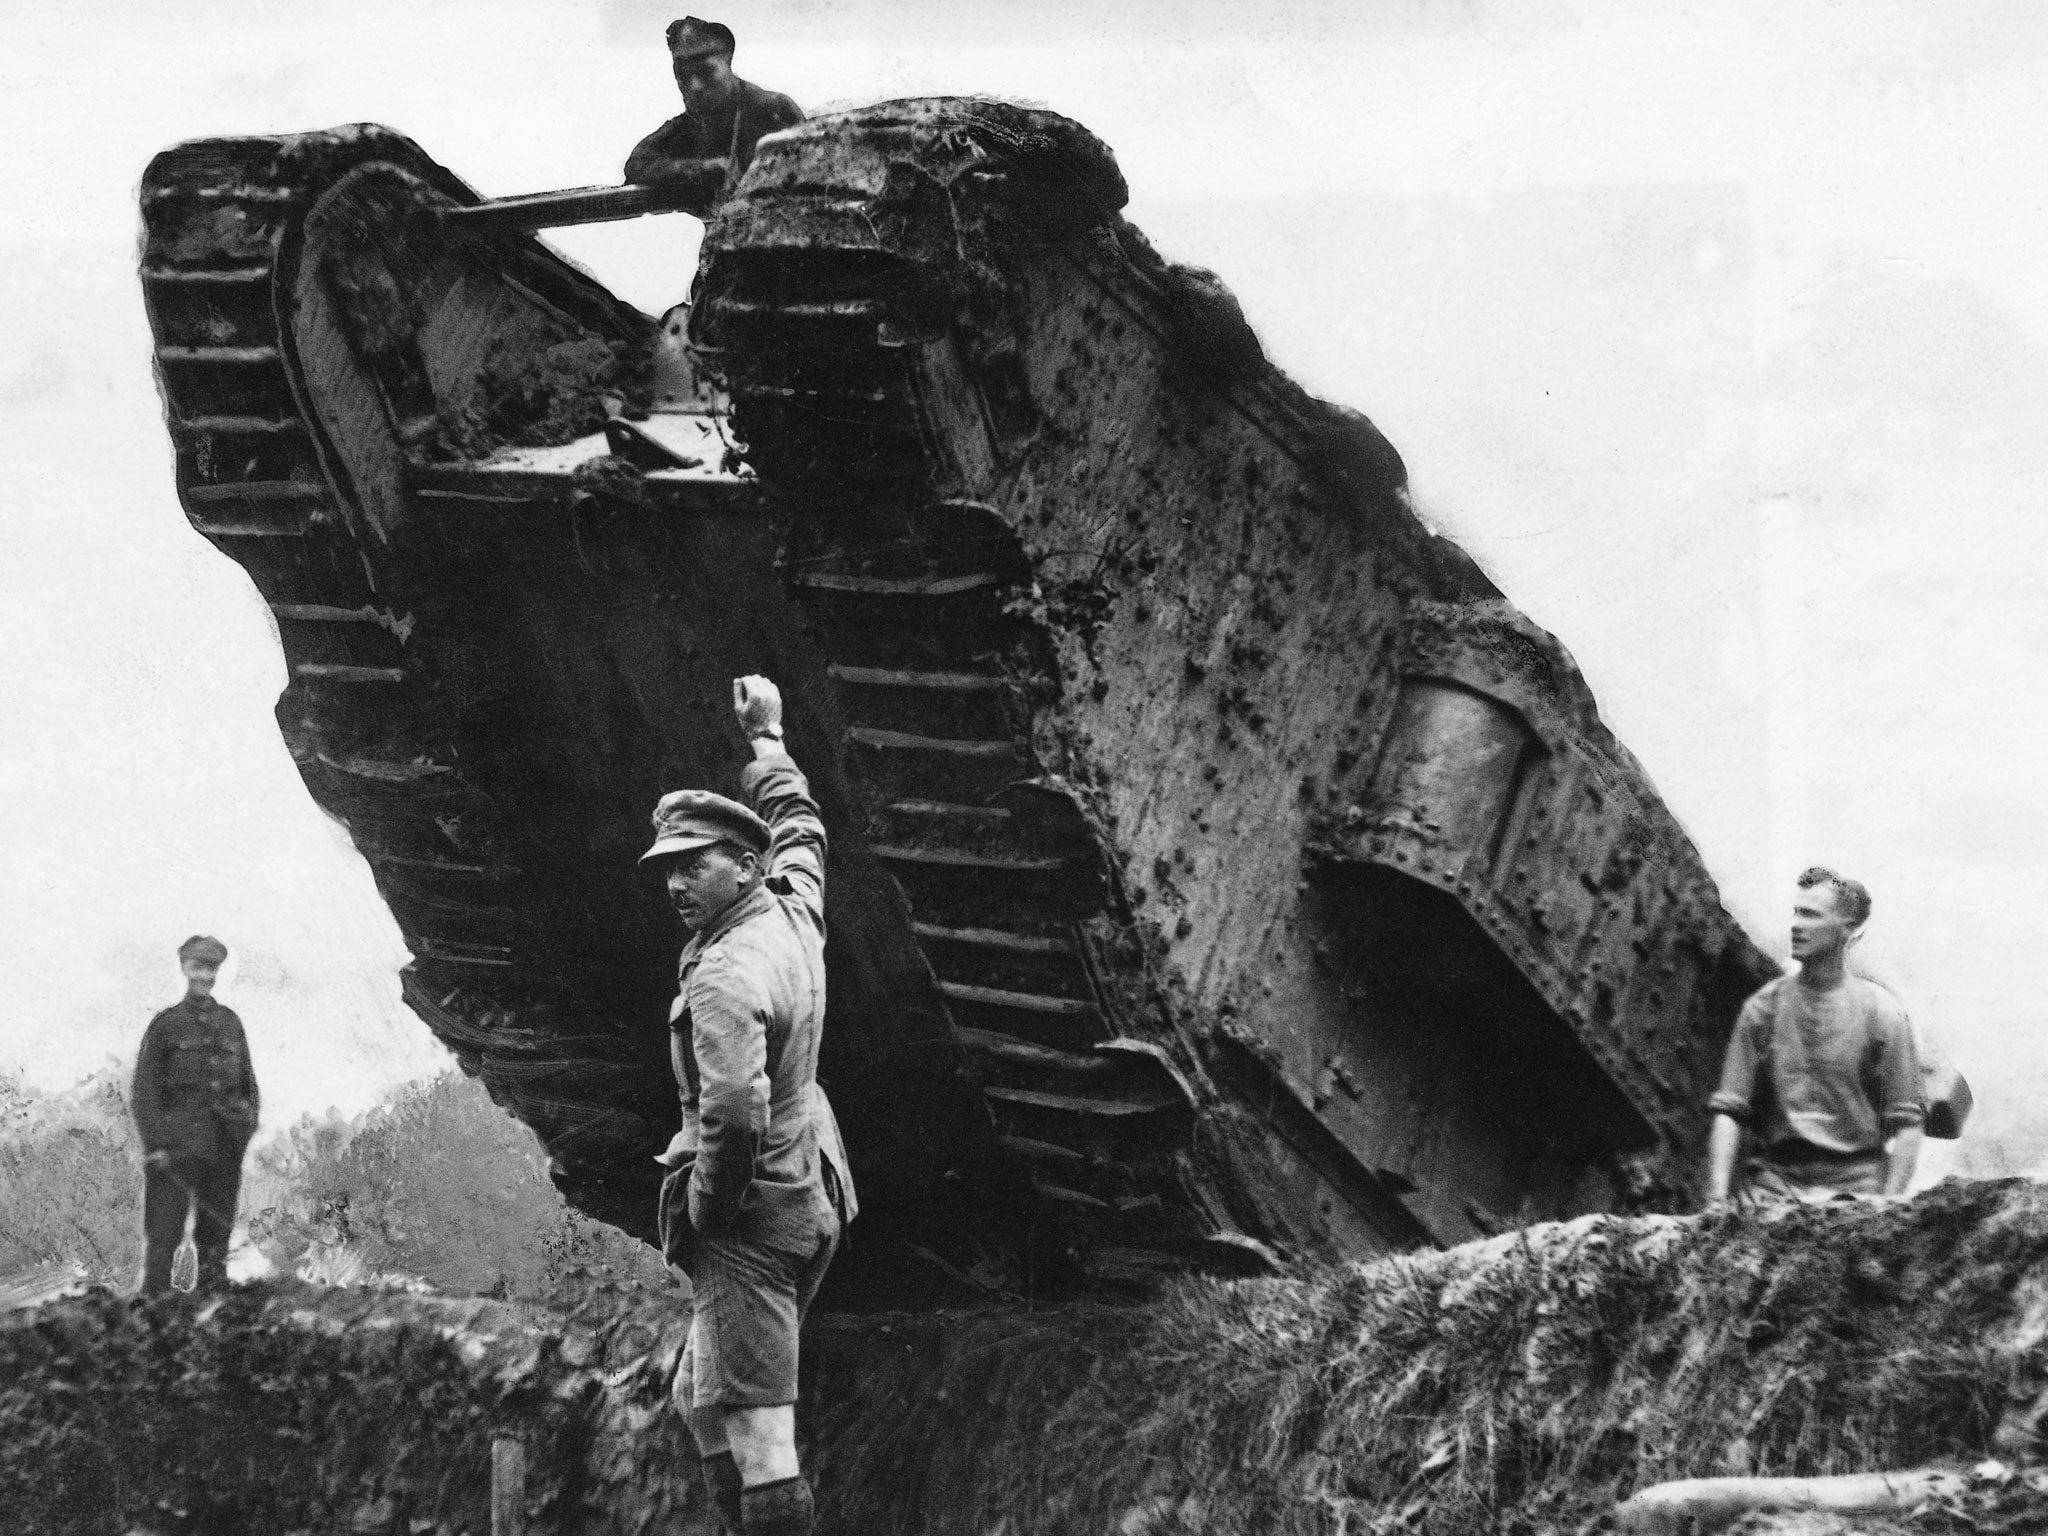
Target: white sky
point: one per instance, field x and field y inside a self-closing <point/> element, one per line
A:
<point x="1718" y="333"/>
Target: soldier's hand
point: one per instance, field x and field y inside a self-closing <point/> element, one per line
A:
<point x="157" y="1159"/>
<point x="758" y="705"/>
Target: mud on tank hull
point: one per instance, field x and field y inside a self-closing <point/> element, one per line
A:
<point x="1221" y="870"/>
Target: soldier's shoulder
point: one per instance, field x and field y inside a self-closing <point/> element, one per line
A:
<point x="732" y="976"/>
<point x="734" y="951"/>
<point x="774" y="103"/>
<point x="1880" y="999"/>
<point x="1764" y="997"/>
<point x="674" y="134"/>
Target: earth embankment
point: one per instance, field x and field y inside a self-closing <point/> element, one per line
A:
<point x="1522" y="1384"/>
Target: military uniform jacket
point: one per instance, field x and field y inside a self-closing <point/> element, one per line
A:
<point x="727" y="136"/>
<point x="195" y="1091"/>
<point x="758" y="1138"/>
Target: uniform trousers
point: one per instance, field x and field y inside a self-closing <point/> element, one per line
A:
<point x="1811" y="1177"/>
<point x="203" y="1187"/>
<point x="749" y="1298"/>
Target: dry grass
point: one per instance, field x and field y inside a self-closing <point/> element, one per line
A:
<point x="70" y="1181"/>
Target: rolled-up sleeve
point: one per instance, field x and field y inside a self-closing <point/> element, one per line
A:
<point x="1904" y="1089"/>
<point x="1736" y="1096"/>
<point x="729" y="1018"/>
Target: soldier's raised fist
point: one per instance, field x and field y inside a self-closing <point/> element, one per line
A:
<point x="757" y="703"/>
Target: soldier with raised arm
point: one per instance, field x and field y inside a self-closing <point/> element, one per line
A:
<point x="757" y="1192"/>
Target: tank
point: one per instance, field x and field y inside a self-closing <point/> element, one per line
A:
<point x="1223" y="873"/>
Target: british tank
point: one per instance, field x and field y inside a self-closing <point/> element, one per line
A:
<point x="1223" y="872"/>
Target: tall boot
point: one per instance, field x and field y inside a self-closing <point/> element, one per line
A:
<point x="781" y="1508"/>
<point x="722" y="1477"/>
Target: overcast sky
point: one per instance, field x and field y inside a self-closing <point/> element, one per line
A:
<point x="1719" y="334"/>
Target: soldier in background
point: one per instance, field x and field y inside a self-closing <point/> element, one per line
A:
<point x="1822" y="1069"/>
<point x="703" y="151"/>
<point x="195" y="1103"/>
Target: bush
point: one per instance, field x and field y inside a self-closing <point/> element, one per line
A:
<point x="437" y="1184"/>
<point x="70" y="1180"/>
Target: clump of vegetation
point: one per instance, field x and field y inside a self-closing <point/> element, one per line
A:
<point x="70" y="1181"/>
<point x="438" y="1184"/>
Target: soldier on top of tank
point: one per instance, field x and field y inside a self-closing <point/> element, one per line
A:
<point x="757" y="1192"/>
<point x="195" y="1103"/>
<point x="702" y="151"/>
<point x="1822" y="1069"/>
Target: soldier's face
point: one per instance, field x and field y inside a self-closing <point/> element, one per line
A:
<point x="200" y="975"/>
<point x="703" y="77"/>
<point x="1818" y="927"/>
<point x="705" y="881"/>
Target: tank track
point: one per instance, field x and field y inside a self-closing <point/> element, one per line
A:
<point x="261" y="481"/>
<point x="922" y="608"/>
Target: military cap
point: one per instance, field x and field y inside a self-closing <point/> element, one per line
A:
<point x="202" y="947"/>
<point x="696" y="818"/>
<point x="693" y="37"/>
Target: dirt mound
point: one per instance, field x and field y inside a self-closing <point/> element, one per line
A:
<point x="1523" y="1384"/>
<point x="283" y="1408"/>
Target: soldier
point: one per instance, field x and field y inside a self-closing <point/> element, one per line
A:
<point x="757" y="1194"/>
<point x="1822" y="1069"/>
<point x="703" y="151"/>
<point x="195" y="1103"/>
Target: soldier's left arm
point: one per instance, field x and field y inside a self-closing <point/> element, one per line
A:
<point x="249" y="1089"/>
<point x="1904" y="1110"/>
<point x="673" y="157"/>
